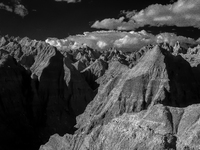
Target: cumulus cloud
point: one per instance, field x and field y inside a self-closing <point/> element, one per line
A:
<point x="5" y="7"/>
<point x="182" y="13"/>
<point x="172" y="38"/>
<point x="17" y="8"/>
<point x="101" y="44"/>
<point x="68" y="1"/>
<point x="108" y="23"/>
<point x="126" y="40"/>
<point x="120" y="40"/>
<point x="65" y="44"/>
<point x="53" y="42"/>
<point x="20" y="10"/>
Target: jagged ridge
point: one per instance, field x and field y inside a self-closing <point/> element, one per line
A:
<point x="142" y="107"/>
<point x="46" y="89"/>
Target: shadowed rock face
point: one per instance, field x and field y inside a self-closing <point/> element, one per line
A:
<point x="43" y="89"/>
<point x="41" y="93"/>
<point x="103" y="100"/>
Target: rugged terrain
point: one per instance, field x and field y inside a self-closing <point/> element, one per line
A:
<point x="98" y="99"/>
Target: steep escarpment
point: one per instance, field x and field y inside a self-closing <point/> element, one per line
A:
<point x="150" y="103"/>
<point x="44" y="89"/>
<point x="41" y="93"/>
<point x="158" y="77"/>
<point x="160" y="127"/>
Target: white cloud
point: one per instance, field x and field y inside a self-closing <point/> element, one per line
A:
<point x="195" y="17"/>
<point x="185" y="5"/>
<point x="182" y="13"/>
<point x="163" y="18"/>
<point x="53" y="42"/>
<point x="18" y="9"/>
<point x="92" y="37"/>
<point x="126" y="40"/>
<point x="101" y="44"/>
<point x="173" y="38"/>
<point x="108" y="23"/>
<point x="120" y="40"/>
<point x="5" y="7"/>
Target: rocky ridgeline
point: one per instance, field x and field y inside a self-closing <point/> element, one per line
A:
<point x="43" y="89"/>
<point x="154" y="104"/>
<point x="103" y="100"/>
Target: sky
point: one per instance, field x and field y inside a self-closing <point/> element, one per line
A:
<point x="40" y="19"/>
<point x="182" y="13"/>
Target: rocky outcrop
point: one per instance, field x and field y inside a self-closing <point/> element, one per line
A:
<point x="160" y="127"/>
<point x="98" y="100"/>
<point x="151" y="105"/>
<point x="44" y="89"/>
<point x="41" y="93"/>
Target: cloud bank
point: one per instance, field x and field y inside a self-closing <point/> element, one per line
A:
<point x="125" y="41"/>
<point x="183" y="13"/>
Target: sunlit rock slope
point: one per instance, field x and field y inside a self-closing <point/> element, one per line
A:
<point x="149" y="104"/>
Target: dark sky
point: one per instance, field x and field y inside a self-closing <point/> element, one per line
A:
<point x="48" y="18"/>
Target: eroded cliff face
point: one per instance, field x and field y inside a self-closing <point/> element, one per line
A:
<point x="41" y="92"/>
<point x="103" y="100"/>
<point x="149" y="103"/>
